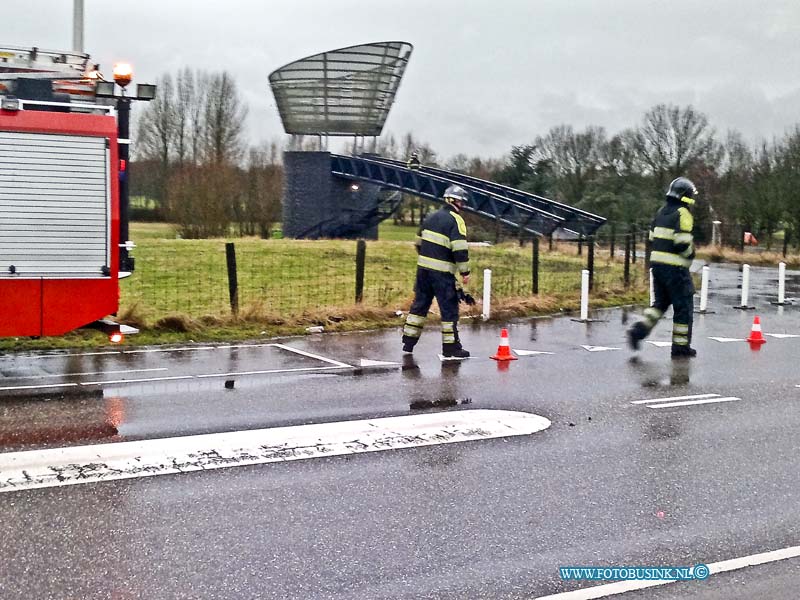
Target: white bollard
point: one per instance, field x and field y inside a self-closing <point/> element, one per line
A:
<point x="487" y="294"/>
<point x="584" y="295"/>
<point x="704" y="290"/>
<point x="652" y="289"/>
<point x="745" y="285"/>
<point x="782" y="283"/>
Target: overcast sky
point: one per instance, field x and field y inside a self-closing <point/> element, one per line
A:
<point x="484" y="75"/>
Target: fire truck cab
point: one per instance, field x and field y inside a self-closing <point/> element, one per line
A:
<point x="59" y="207"/>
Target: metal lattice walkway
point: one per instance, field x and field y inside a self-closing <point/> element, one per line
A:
<point x="514" y="208"/>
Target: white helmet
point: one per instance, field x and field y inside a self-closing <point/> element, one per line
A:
<point x="456" y="196"/>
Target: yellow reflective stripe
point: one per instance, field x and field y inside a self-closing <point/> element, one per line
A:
<point x="436" y="238"/>
<point x="687" y="200"/>
<point x="683" y="238"/>
<point x="680" y="328"/>
<point x="458" y="245"/>
<point x="411" y="331"/>
<point x="680" y="340"/>
<point x="448" y="338"/>
<point x="688" y="252"/>
<point x="462" y="227"/>
<point x="415" y="320"/>
<point x="662" y="233"/>
<point x="651" y="236"/>
<point x="667" y="258"/>
<point x="447" y="326"/>
<point x="686" y="220"/>
<point x="652" y="314"/>
<point x="463" y="267"/>
<point x="436" y="265"/>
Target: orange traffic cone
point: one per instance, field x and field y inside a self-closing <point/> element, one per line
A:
<point x="504" y="350"/>
<point x="756" y="337"/>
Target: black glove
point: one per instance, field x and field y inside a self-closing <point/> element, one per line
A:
<point x="465" y="297"/>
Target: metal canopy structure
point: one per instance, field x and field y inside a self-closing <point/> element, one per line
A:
<point x="344" y="92"/>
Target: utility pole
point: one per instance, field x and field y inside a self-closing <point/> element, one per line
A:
<point x="77" y="26"/>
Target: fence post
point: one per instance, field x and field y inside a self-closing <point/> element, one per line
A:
<point x="584" y="295"/>
<point x="633" y="244"/>
<point x="580" y="244"/>
<point x="361" y="256"/>
<point x="647" y="250"/>
<point x="741" y="238"/>
<point x="627" y="268"/>
<point x="704" y="290"/>
<point x="550" y="241"/>
<point x="590" y="260"/>
<point x="233" y="280"/>
<point x="786" y="236"/>
<point x="535" y="266"/>
<point x="487" y="294"/>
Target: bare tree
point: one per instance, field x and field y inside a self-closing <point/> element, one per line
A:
<point x="224" y="118"/>
<point x="672" y="141"/>
<point x="574" y="157"/>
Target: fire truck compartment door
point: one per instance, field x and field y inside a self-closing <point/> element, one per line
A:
<point x="55" y="207"/>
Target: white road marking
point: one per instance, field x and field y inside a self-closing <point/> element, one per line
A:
<point x="37" y="387"/>
<point x="598" y="348"/>
<point x="146" y="380"/>
<point x="725" y="340"/>
<point x="104" y="462"/>
<point x="690" y="402"/>
<point x="89" y="373"/>
<point x="675" y="398"/>
<point x="365" y="362"/>
<point x="308" y="354"/>
<point x="724" y="566"/>
<point x="783" y="336"/>
<point x="530" y="352"/>
<point x="270" y="371"/>
<point x="37" y="356"/>
<point x="152" y="350"/>
<point x="660" y="344"/>
<point x="444" y="358"/>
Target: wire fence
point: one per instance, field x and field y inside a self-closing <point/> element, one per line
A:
<point x="198" y="278"/>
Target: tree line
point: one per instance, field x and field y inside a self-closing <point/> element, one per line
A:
<point x="192" y="158"/>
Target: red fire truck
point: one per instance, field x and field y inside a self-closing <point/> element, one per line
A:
<point x="63" y="228"/>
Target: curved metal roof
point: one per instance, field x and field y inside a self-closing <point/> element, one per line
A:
<point x="348" y="91"/>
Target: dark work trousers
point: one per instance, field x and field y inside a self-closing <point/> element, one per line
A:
<point x="429" y="285"/>
<point x="672" y="286"/>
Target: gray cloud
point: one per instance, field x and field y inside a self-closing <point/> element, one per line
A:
<point x="484" y="74"/>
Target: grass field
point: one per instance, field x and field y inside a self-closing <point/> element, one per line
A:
<point x="179" y="290"/>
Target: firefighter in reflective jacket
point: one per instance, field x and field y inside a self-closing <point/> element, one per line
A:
<point x="442" y="248"/>
<point x="672" y="251"/>
<point x="414" y="163"/>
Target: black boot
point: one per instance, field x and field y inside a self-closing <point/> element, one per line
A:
<point x="683" y="352"/>
<point x="636" y="333"/>
<point x="454" y="351"/>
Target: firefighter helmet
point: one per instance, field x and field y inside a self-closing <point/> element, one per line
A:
<point x="456" y="196"/>
<point x="682" y="190"/>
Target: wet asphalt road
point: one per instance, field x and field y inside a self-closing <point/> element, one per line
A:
<point x="609" y="483"/>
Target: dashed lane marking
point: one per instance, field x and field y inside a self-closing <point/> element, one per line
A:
<point x="782" y="336"/>
<point x="37" y="387"/>
<point x="725" y="340"/>
<point x="530" y="352"/>
<point x="89" y="373"/>
<point x="660" y="344"/>
<point x="685" y="400"/>
<point x="692" y="402"/>
<point x="55" y="467"/>
<point x="598" y="348"/>
<point x="675" y="398"/>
